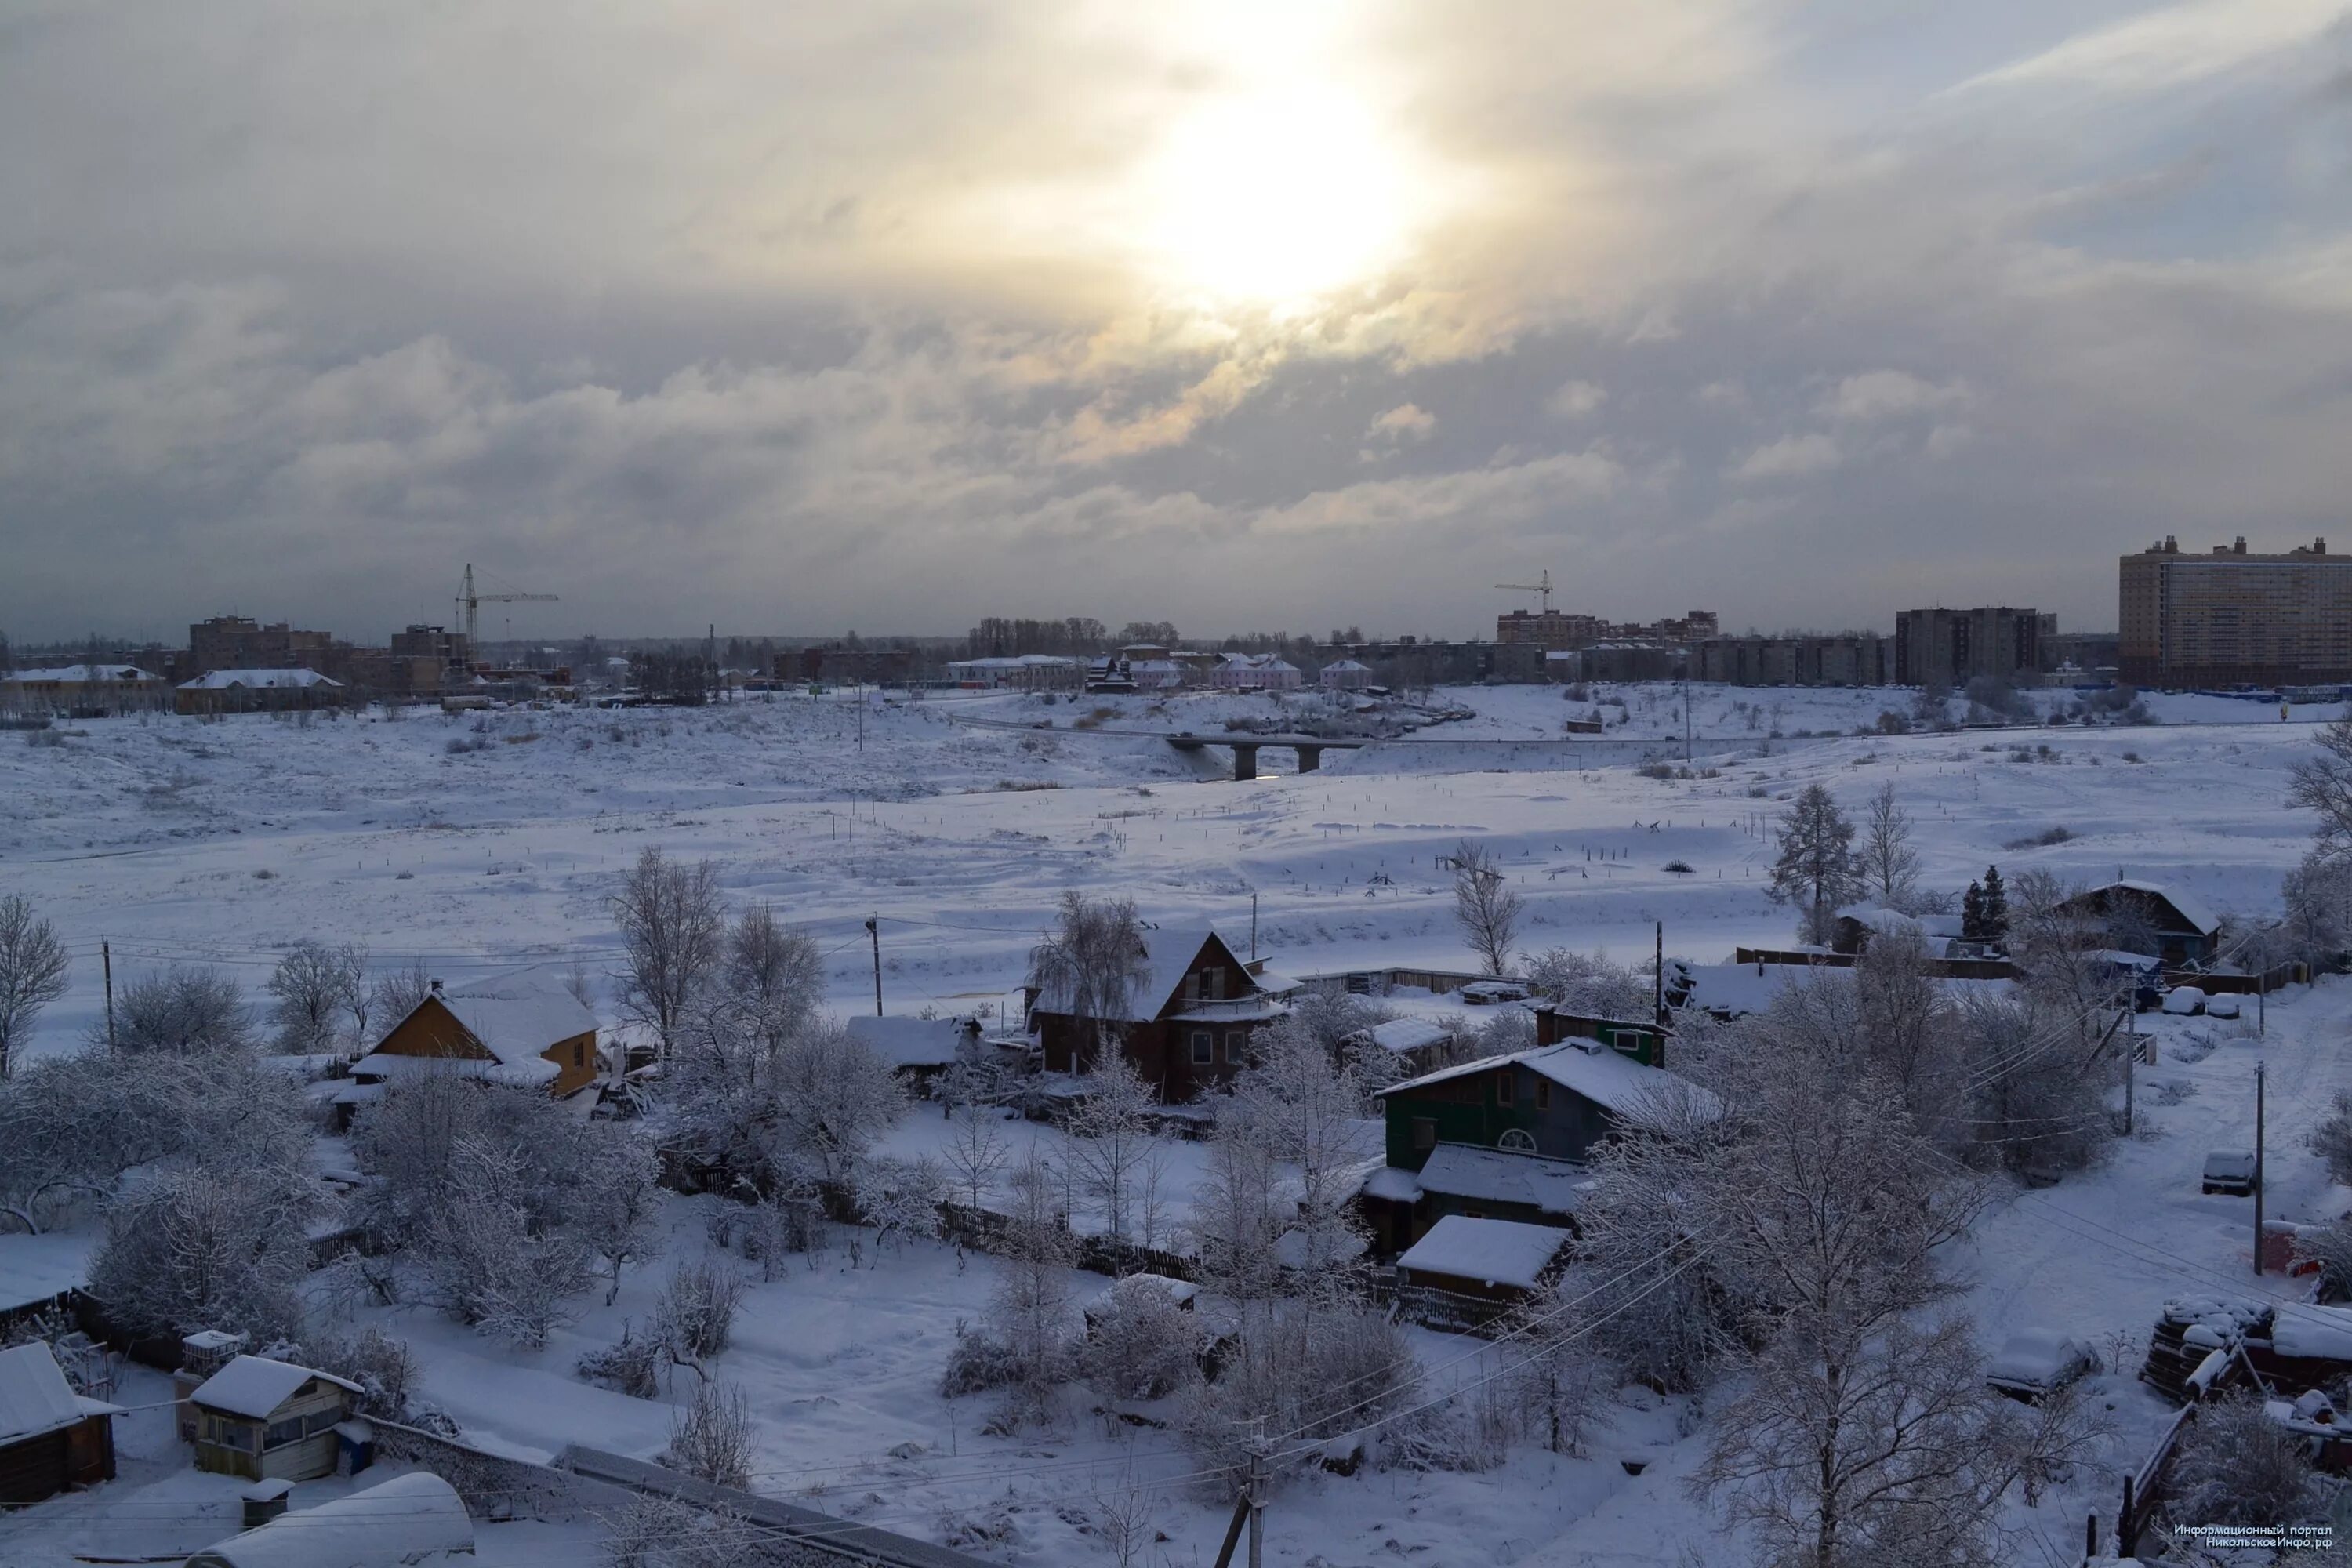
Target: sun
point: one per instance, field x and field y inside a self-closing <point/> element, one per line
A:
<point x="1272" y="199"/>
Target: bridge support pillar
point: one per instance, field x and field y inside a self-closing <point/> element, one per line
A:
<point x="1244" y="763"/>
<point x="1309" y="758"/>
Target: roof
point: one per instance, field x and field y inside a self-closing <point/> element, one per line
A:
<point x="1501" y="1176"/>
<point x="254" y="1385"/>
<point x="34" y="1397"/>
<point x="1601" y="1075"/>
<point x="223" y="679"/>
<point x="1490" y="1251"/>
<point x="412" y="1519"/>
<point x="1168" y="955"/>
<point x="1348" y="666"/>
<point x="912" y="1042"/>
<point x="81" y="674"/>
<point x="1403" y="1035"/>
<point x="2190" y="908"/>
<point x="519" y="1014"/>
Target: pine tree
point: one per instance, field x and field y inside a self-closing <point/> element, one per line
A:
<point x="1816" y="870"/>
<point x="1972" y="914"/>
<point x="1996" y="906"/>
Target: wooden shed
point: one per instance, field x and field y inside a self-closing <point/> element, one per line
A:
<point x="270" y="1420"/>
<point x="50" y="1437"/>
<point x="522" y="1028"/>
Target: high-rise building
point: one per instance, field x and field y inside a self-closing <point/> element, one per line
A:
<point x="1951" y="647"/>
<point x="2231" y="618"/>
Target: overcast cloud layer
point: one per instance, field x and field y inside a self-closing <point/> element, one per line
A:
<point x="799" y="318"/>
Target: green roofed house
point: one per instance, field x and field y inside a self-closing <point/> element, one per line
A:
<point x="1506" y="1137"/>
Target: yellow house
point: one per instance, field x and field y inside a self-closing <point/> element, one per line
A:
<point x="523" y="1028"/>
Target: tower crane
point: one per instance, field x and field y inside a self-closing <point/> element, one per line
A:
<point x="1543" y="588"/>
<point x="470" y="602"/>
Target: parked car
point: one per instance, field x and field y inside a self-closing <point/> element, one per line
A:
<point x="2037" y="1362"/>
<point x="2231" y="1172"/>
<point x="2221" y="1005"/>
<point x="1486" y="993"/>
<point x="2184" y="1001"/>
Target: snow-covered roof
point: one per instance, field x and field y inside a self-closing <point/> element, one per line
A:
<point x="516" y="1017"/>
<point x="80" y="675"/>
<point x="1405" y="1035"/>
<point x="912" y="1042"/>
<point x="2313" y="1333"/>
<point x="535" y="1073"/>
<point x="1490" y="1251"/>
<point x="1500" y="1176"/>
<point x="1348" y="666"/>
<point x="34" y="1397"/>
<point x="1394" y="1185"/>
<point x="1168" y="955"/>
<point x="1601" y="1075"/>
<point x="33" y="1269"/>
<point x="2191" y="908"/>
<point x="227" y="679"/>
<point x="1015" y="661"/>
<point x="413" y="1519"/>
<point x="254" y="1385"/>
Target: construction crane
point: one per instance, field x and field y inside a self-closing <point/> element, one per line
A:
<point x="470" y="602"/>
<point x="1543" y="588"/>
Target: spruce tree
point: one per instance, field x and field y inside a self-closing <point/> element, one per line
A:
<point x="1996" y="906"/>
<point x="1817" y="869"/>
<point x="1972" y="914"/>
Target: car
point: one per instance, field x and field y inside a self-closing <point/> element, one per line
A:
<point x="2184" y="1001"/>
<point x="1486" y="993"/>
<point x="2221" y="1005"/>
<point x="2036" y="1364"/>
<point x="2231" y="1172"/>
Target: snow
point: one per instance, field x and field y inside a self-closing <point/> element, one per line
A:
<point x="2038" y="1360"/>
<point x="34" y="1394"/>
<point x="1492" y="1175"/>
<point x="78" y="675"/>
<point x="1494" y="1252"/>
<point x="413" y="1519"/>
<point x="33" y="1269"/>
<point x="518" y="1016"/>
<point x="2184" y="1001"/>
<point x="254" y="1385"/>
<point x="1406" y="1035"/>
<point x="2192" y="908"/>
<point x="906" y="1042"/>
<point x="2313" y="1333"/>
<point x="228" y="680"/>
<point x="1608" y="1078"/>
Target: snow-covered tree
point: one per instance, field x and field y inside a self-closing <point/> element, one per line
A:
<point x="770" y="1114"/>
<point x="899" y="1197"/>
<point x="2317" y="895"/>
<point x="394" y="994"/>
<point x="1590" y="984"/>
<point x="1815" y="868"/>
<point x="1029" y="1313"/>
<point x="2238" y="1465"/>
<point x="204" y="1247"/>
<point x="1139" y="1344"/>
<point x="617" y="1205"/>
<point x="1485" y="907"/>
<point x="1090" y="965"/>
<point x="975" y="1150"/>
<point x="358" y="995"/>
<point x="712" y="1439"/>
<point x="1110" y="1140"/>
<point x="834" y="1096"/>
<point x="33" y="968"/>
<point x="1888" y="862"/>
<point x="307" y="995"/>
<point x="697" y="1312"/>
<point x="490" y="1254"/>
<point x="772" y="976"/>
<point x="673" y="934"/>
<point x="187" y="1010"/>
<point x="1309" y="1115"/>
<point x="2322" y="785"/>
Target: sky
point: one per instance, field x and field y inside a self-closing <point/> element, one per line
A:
<point x="1286" y="315"/>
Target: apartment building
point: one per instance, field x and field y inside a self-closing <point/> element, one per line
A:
<point x="2230" y="618"/>
<point x="1941" y="647"/>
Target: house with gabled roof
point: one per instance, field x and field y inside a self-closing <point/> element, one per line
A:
<point x="272" y="1420"/>
<point x="523" y="1028"/>
<point x="1188" y="1020"/>
<point x="50" y="1437"/>
<point x="2184" y="930"/>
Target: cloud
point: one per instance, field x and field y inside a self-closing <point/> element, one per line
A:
<point x="1887" y="394"/>
<point x="1791" y="456"/>
<point x="1574" y="399"/>
<point x="1402" y="425"/>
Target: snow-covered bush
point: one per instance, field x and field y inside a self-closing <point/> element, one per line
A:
<point x="202" y="1248"/>
<point x="1590" y="984"/>
<point x="386" y="1370"/>
<point x="770" y="1111"/>
<point x="633" y="1366"/>
<point x="697" y="1309"/>
<point x="1140" y="1345"/>
<point x="2331" y="1140"/>
<point x="1315" y="1370"/>
<point x="662" y="1532"/>
<point x="977" y="1362"/>
<point x="189" y="1009"/>
<point x="2237" y="1466"/>
<point x="1029" y="1314"/>
<point x="899" y="1197"/>
<point x="712" y="1439"/>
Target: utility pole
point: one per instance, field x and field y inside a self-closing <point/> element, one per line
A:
<point x="106" y="957"/>
<point x="1253" y="928"/>
<point x="1658" y="980"/>
<point x="2260" y="1068"/>
<point x="2131" y="1064"/>
<point x="1258" y="1499"/>
<point x="1686" y="735"/>
<point x="874" y="930"/>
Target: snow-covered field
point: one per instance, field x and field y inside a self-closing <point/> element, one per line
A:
<point x="176" y="840"/>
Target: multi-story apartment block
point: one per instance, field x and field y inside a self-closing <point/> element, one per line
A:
<point x="1942" y="647"/>
<point x="2231" y="619"/>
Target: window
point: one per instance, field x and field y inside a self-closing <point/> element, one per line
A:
<point x="1506" y="1089"/>
<point x="1543" y="1094"/>
<point x="1424" y="1132"/>
<point x="1236" y="1046"/>
<point x="321" y="1420"/>
<point x="1205" y="1048"/>
<point x="579" y="1053"/>
<point x="1517" y="1140"/>
<point x="283" y="1432"/>
<point x="1212" y="984"/>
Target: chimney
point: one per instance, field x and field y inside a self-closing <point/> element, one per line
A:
<point x="2171" y="545"/>
<point x="2319" y="545"/>
<point x="2239" y="548"/>
<point x="437" y="988"/>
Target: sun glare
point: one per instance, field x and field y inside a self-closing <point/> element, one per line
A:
<point x="1272" y="200"/>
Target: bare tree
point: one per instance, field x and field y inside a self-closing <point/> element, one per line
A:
<point x="1127" y="1517"/>
<point x="397" y="993"/>
<point x="772" y="976"/>
<point x="1815" y="869"/>
<point x="673" y="932"/>
<point x="1485" y="907"/>
<point x="1028" y="1315"/>
<point x="189" y="1009"/>
<point x="1110" y="1137"/>
<point x="712" y="1439"/>
<point x="2318" y="898"/>
<point x="975" y="1151"/>
<point x="2324" y="785"/>
<point x="1091" y="966"/>
<point x="358" y="997"/>
<point x="33" y="969"/>
<point x="698" y="1310"/>
<point x="834" y="1096"/>
<point x="1888" y="862"/>
<point x="307" y="992"/>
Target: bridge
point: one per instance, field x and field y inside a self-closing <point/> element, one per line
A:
<point x="1246" y="746"/>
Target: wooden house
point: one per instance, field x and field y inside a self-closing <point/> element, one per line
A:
<point x="918" y="1050"/>
<point x="1466" y="1272"/>
<point x="1554" y="1100"/>
<point x="1188" y="1021"/>
<point x="523" y="1029"/>
<point x="2183" y="930"/>
<point x="1644" y="1042"/>
<point x="271" y="1420"/>
<point x="50" y="1437"/>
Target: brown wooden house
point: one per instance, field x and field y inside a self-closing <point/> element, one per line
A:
<point x="523" y="1029"/>
<point x="1191" y="1014"/>
<point x="50" y="1437"/>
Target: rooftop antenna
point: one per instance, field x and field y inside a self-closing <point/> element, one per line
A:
<point x="1541" y="588"/>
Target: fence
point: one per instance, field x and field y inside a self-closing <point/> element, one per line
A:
<point x="984" y="1230"/>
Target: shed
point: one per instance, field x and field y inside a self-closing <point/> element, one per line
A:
<point x="50" y="1437"/>
<point x="268" y="1420"/>
<point x="1420" y="1044"/>
<point x="405" y="1522"/>
<point x="916" y="1048"/>
<point x="1501" y="1259"/>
